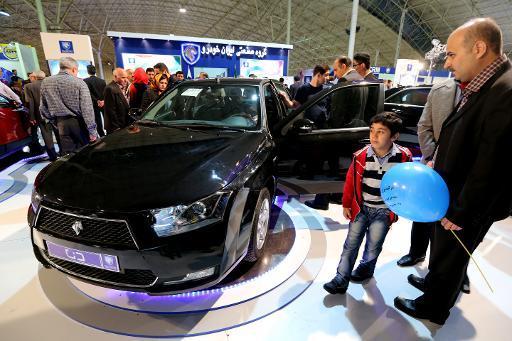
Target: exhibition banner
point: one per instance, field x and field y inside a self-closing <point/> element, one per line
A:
<point x="193" y="55"/>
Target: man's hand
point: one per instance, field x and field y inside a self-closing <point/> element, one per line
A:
<point x="101" y="104"/>
<point x="33" y="122"/>
<point x="448" y="225"/>
<point x="287" y="101"/>
<point x="347" y="213"/>
<point x="430" y="164"/>
<point x="92" y="138"/>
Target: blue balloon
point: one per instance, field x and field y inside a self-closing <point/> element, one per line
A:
<point x="415" y="192"/>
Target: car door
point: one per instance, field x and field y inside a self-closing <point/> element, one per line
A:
<point x="349" y="109"/>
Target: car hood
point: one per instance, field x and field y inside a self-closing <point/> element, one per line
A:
<point x="144" y="167"/>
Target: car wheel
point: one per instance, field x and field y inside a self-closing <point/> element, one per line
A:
<point x="260" y="223"/>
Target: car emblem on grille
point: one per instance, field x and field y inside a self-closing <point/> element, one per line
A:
<point x="77" y="227"/>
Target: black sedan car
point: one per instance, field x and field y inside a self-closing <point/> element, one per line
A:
<point x="175" y="201"/>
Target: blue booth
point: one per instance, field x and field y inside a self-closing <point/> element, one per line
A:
<point x="192" y="55"/>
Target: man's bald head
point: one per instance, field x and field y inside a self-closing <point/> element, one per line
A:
<point x="120" y="76"/>
<point x="483" y="29"/>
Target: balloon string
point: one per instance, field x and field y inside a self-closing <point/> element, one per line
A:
<point x="474" y="261"/>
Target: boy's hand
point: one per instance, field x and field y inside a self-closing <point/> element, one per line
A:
<point x="347" y="213"/>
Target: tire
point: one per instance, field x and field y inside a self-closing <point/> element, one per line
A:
<point x="259" y="229"/>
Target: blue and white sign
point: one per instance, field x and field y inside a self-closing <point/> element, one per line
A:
<point x="190" y="52"/>
<point x="66" y="46"/>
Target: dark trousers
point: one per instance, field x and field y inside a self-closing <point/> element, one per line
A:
<point x="447" y="264"/>
<point x="420" y="237"/>
<point x="99" y="122"/>
<point x="48" y="130"/>
<point x="72" y="132"/>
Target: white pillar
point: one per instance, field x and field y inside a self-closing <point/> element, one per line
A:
<point x="353" y="25"/>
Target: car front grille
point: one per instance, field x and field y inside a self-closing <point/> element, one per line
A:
<point x="98" y="231"/>
<point x="130" y="277"/>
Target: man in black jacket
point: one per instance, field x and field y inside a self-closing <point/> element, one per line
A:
<point x="116" y="102"/>
<point x="96" y="88"/>
<point x="33" y="100"/>
<point x="474" y="142"/>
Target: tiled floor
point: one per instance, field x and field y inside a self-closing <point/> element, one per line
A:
<point x="33" y="305"/>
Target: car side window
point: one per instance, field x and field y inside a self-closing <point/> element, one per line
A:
<point x="272" y="102"/>
<point x="410" y="96"/>
<point x="4" y="101"/>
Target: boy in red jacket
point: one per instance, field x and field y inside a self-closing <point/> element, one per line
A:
<point x="363" y="204"/>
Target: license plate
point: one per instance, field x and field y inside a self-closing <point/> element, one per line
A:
<point x="97" y="260"/>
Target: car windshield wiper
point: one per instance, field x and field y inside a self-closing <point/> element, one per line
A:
<point x="162" y="124"/>
<point x="211" y="126"/>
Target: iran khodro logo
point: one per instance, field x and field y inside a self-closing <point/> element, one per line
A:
<point x="190" y="52"/>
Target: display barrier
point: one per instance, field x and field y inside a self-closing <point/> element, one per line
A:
<point x="193" y="55"/>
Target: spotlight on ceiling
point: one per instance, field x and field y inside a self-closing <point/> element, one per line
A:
<point x="183" y="10"/>
<point x="4" y="13"/>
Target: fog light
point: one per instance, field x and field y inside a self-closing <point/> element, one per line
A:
<point x="194" y="275"/>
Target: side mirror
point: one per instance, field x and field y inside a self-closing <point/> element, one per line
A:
<point x="303" y="126"/>
<point x="135" y="113"/>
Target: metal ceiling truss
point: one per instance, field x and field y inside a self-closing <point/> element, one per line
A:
<point x="318" y="30"/>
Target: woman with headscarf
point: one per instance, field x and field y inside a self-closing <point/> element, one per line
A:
<point x="138" y="87"/>
<point x="151" y="95"/>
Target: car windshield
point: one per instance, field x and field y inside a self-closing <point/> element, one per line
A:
<point x="215" y="105"/>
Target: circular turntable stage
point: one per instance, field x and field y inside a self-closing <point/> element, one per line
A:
<point x="293" y="257"/>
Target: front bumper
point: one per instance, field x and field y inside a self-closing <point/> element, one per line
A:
<point x="157" y="269"/>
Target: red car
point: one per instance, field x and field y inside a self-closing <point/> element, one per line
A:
<point x="14" y="127"/>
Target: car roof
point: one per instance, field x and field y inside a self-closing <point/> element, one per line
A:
<point x="228" y="80"/>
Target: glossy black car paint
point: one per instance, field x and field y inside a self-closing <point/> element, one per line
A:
<point x="410" y="112"/>
<point x="146" y="166"/>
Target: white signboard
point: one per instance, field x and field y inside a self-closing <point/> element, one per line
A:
<point x="57" y="45"/>
<point x="407" y="71"/>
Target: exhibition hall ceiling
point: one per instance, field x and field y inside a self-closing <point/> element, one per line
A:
<point x="318" y="28"/>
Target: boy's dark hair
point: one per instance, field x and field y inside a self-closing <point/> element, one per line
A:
<point x="150" y="69"/>
<point x="91" y="70"/>
<point x="388" y="119"/>
<point x="318" y="69"/>
<point x="179" y="72"/>
<point x="296" y="78"/>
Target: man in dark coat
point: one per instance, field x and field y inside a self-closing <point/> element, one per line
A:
<point x="116" y="102"/>
<point x="33" y="100"/>
<point x="474" y="142"/>
<point x="96" y="88"/>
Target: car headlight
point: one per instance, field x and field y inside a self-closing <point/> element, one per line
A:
<point x="35" y="200"/>
<point x="183" y="218"/>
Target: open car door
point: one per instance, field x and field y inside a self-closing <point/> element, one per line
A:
<point x="348" y="110"/>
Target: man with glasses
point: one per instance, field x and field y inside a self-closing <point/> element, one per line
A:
<point x="362" y="66"/>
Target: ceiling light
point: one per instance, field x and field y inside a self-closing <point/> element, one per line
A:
<point x="183" y="10"/>
<point x="4" y="13"/>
